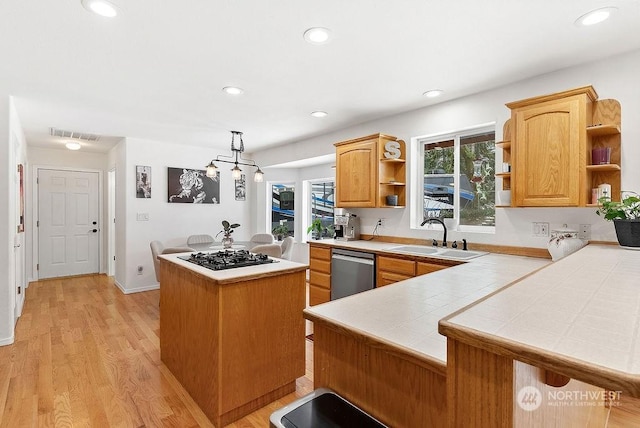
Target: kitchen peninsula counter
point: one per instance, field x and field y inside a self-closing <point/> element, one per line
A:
<point x="381" y="349"/>
<point x="578" y="318"/>
<point x="233" y="338"/>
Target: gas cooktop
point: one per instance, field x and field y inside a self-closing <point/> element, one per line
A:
<point x="227" y="259"/>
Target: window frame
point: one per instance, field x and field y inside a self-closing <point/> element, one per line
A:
<point x="417" y="178"/>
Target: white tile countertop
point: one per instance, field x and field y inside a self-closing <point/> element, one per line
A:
<point x="405" y="315"/>
<point x="580" y="315"/>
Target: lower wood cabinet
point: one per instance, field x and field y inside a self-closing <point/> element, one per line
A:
<point x="393" y="269"/>
<point x="319" y="274"/>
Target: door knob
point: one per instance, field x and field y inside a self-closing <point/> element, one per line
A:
<point x="16" y="246"/>
<point x="93" y="230"/>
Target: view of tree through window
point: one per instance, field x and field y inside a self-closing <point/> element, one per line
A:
<point x="476" y="181"/>
<point x="322" y="206"/>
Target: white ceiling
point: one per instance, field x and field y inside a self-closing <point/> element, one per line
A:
<point x="156" y="71"/>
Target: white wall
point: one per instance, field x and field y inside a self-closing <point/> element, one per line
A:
<point x="170" y="223"/>
<point x="615" y="77"/>
<point x="12" y="152"/>
<point x="6" y="227"/>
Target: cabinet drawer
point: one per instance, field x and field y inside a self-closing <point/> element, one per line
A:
<point x="320" y="279"/>
<point x="424" y="267"/>
<point x="390" y="264"/>
<point x="318" y="295"/>
<point x="320" y="253"/>
<point x="386" y="278"/>
<point x="320" y="265"/>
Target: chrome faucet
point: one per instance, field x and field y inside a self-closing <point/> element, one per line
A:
<point x="437" y="220"/>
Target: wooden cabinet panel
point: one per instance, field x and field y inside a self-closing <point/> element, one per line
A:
<point x="320" y="279"/>
<point x="424" y="268"/>
<point x="552" y="137"/>
<point x="385" y="278"/>
<point x="319" y="274"/>
<point x="318" y="295"/>
<point x="547" y="152"/>
<point x="368" y="169"/>
<point x="319" y="253"/>
<point x="356" y="174"/>
<point x="401" y="266"/>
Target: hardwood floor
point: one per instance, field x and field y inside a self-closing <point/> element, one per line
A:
<point x="87" y="355"/>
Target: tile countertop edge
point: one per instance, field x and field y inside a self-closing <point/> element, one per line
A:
<point x="581" y="370"/>
<point x="431" y="363"/>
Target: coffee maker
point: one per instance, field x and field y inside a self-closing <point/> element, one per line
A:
<point x="347" y="225"/>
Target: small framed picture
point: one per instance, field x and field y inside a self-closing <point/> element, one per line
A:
<point x="241" y="191"/>
<point x="143" y="181"/>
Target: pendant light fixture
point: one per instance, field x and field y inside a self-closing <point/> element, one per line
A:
<point x="236" y="159"/>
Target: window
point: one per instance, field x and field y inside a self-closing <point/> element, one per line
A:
<point x="458" y="179"/>
<point x="282" y="208"/>
<point x="322" y="205"/>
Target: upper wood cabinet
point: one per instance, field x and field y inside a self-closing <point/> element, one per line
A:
<point x="368" y="170"/>
<point x="550" y="148"/>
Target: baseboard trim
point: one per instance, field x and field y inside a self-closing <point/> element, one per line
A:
<point x="136" y="290"/>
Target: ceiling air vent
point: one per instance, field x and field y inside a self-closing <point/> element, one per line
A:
<point x="73" y="135"/>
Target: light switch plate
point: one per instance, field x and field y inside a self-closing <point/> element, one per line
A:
<point x="142" y="216"/>
<point x="540" y="229"/>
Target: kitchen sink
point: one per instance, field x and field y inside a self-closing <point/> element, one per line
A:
<point x="437" y="252"/>
<point x="459" y="254"/>
<point x="414" y="249"/>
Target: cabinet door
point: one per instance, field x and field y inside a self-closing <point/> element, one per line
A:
<point x="356" y="174"/>
<point x="423" y="268"/>
<point x="547" y="150"/>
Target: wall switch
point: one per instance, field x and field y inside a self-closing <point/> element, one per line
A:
<point x="142" y="216"/>
<point x="540" y="229"/>
<point x="140" y="269"/>
<point x="584" y="232"/>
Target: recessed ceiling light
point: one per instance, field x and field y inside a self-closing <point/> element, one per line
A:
<point x="433" y="93"/>
<point x="317" y="35"/>
<point x="101" y="7"/>
<point x="233" y="90"/>
<point x="71" y="145"/>
<point x="595" y="16"/>
<point x="319" y="113"/>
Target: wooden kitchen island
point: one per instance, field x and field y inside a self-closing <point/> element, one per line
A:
<point x="233" y="338"/>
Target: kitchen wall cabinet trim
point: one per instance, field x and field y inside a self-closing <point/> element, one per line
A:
<point x="365" y="176"/>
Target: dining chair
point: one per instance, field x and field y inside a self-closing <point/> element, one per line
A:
<point x="287" y="247"/>
<point x="273" y="250"/>
<point x="260" y="239"/>
<point x="158" y="248"/>
<point x="200" y="239"/>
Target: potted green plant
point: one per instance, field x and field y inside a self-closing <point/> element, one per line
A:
<point x="280" y="231"/>
<point x="227" y="230"/>
<point x="625" y="215"/>
<point x="317" y="228"/>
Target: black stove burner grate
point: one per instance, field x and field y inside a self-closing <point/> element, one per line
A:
<point x="228" y="259"/>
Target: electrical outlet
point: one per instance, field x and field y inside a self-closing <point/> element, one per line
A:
<point x="540" y="229"/>
<point x="140" y="269"/>
<point x="584" y="232"/>
<point x="380" y="222"/>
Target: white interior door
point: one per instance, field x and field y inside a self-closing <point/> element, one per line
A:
<point x="68" y="238"/>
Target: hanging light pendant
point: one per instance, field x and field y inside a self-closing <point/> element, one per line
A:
<point x="212" y="170"/>
<point x="236" y="159"/>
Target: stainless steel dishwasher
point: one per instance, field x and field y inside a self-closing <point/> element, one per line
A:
<point x="351" y="272"/>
